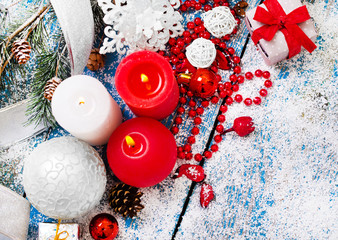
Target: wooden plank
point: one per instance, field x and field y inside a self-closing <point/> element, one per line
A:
<point x="279" y="182"/>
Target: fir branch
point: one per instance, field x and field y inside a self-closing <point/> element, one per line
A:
<point x="98" y="18"/>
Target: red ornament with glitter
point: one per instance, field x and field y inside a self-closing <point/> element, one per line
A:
<point x="103" y="227"/>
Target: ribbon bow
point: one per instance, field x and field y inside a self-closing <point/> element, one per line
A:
<point x="275" y="19"/>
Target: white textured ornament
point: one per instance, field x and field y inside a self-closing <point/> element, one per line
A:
<point x="219" y="21"/>
<point x="201" y="53"/>
<point x="64" y="178"/>
<point x="139" y="24"/>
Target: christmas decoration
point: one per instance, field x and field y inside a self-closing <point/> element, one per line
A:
<point x="202" y="83"/>
<point x="280" y="29"/>
<point x="64" y="170"/>
<point x="201" y="53"/>
<point x="242" y="126"/>
<point x="193" y="172"/>
<point x="219" y="21"/>
<point x="96" y="60"/>
<point x="103" y="227"/>
<point x="139" y="24"/>
<point x="21" y="50"/>
<point x="206" y="195"/>
<point x="14" y="212"/>
<point x="125" y="200"/>
<point x="69" y="231"/>
<point x="240" y="8"/>
<point x="50" y="87"/>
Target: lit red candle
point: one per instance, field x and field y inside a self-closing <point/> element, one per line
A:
<point x="141" y="152"/>
<point x="146" y="82"/>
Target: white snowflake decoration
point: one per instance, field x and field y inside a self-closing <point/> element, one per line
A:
<point x="201" y="53"/>
<point x="219" y="21"/>
<point x="139" y="24"/>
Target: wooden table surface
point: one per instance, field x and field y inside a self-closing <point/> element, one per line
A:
<point x="278" y="183"/>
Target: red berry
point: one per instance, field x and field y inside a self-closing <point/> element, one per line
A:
<point x="233" y="78"/>
<point x="217" y="1"/>
<point x="229" y="101"/>
<point x="198" y="21"/>
<point x="240" y="79"/>
<point x="179" y="149"/>
<point x="183" y="8"/>
<point x="180" y="110"/>
<point x="192" y="103"/>
<point x="249" y="75"/>
<point x="238" y="98"/>
<point x="235" y="87"/>
<point x="180" y="42"/>
<point x="205" y="103"/>
<point x="248" y="101"/>
<point x="191" y="140"/>
<point x="198" y="157"/>
<point x="222" y="94"/>
<point x="187" y="39"/>
<point x="229" y="92"/>
<point x="268" y="83"/>
<point x="216" y="5"/>
<point x="192" y="113"/>
<point x="217" y="40"/>
<point x="190" y="25"/>
<point x="258" y="73"/>
<point x="202" y="1"/>
<point x="199" y="111"/>
<point x="197" y="30"/>
<point x="161" y="53"/>
<point x="174" y="60"/>
<point x="218" y="138"/>
<point x="187" y="3"/>
<point x="198" y="6"/>
<point x="187" y="147"/>
<point x="214" y="100"/>
<point x="219" y="128"/>
<point x="174" y="130"/>
<point x="183" y="90"/>
<point x="178" y="120"/>
<point x="181" y="155"/>
<point x="214" y="148"/>
<point x="220" y="87"/>
<point x="193" y="2"/>
<point x="234" y="31"/>
<point x="197" y="120"/>
<point x="227" y="85"/>
<point x="223" y="108"/>
<point x="207" y="154"/>
<point x="181" y="55"/>
<point x="266" y="74"/>
<point x="218" y="77"/>
<point x="236" y="59"/>
<point x="222" y="45"/>
<point x="201" y="28"/>
<point x="226" y="4"/>
<point x="237" y="69"/>
<point x="183" y="100"/>
<point x="190" y="94"/>
<point x="172" y="41"/>
<point x="207" y="7"/>
<point x="188" y="156"/>
<point x="257" y="100"/>
<point x="226" y="37"/>
<point x="186" y="33"/>
<point x="231" y="51"/>
<point x="195" y="131"/>
<point x="263" y="92"/>
<point x="221" y="118"/>
<point x="194" y="36"/>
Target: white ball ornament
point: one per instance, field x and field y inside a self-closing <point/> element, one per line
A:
<point x="219" y="21"/>
<point x="64" y="178"/>
<point x="201" y="53"/>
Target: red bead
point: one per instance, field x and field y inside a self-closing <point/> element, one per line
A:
<point x="229" y="101"/>
<point x="172" y="41"/>
<point x="263" y="92"/>
<point x="198" y="21"/>
<point x="192" y="103"/>
<point x="183" y="100"/>
<point x="198" y="6"/>
<point x="222" y="45"/>
<point x="235" y="87"/>
<point x="229" y="92"/>
<point x="180" y="42"/>
<point x="214" y="100"/>
<point x="174" y="60"/>
<point x="187" y="3"/>
<point x="195" y="131"/>
<point x="233" y="12"/>
<point x="218" y="77"/>
<point x="180" y="110"/>
<point x="181" y="55"/>
<point x="207" y="154"/>
<point x="231" y="51"/>
<point x="258" y="73"/>
<point x="178" y="120"/>
<point x="214" y="69"/>
<point x="222" y="94"/>
<point x="206" y="35"/>
<point x="223" y="108"/>
<point x="193" y="2"/>
<point x="249" y="75"/>
<point x="234" y="31"/>
<point x="192" y="113"/>
<point x="248" y="101"/>
<point x="207" y="7"/>
<point x="194" y="36"/>
<point x="179" y="149"/>
<point x="257" y="100"/>
<point x="226" y="4"/>
<point x="226" y="37"/>
<point x="199" y="111"/>
<point x="219" y="128"/>
<point x="237" y="69"/>
<point x="221" y="118"/>
<point x="214" y="148"/>
<point x="198" y="157"/>
<point x="187" y="39"/>
<point x="187" y="147"/>
<point x="201" y="28"/>
<point x="205" y="103"/>
<point x="176" y="50"/>
<point x="188" y="156"/>
<point x="197" y="30"/>
<point x="238" y="21"/>
<point x="268" y="84"/>
<point x="197" y="121"/>
<point x="233" y="78"/>
<point x="217" y="40"/>
<point x="161" y="53"/>
<point x="191" y="140"/>
<point x="174" y="130"/>
<point x="186" y="33"/>
<point x="240" y="79"/>
<point x="181" y="155"/>
<point x="202" y="1"/>
<point x="220" y="87"/>
<point x="238" y="98"/>
<point x="183" y="8"/>
<point x="183" y="90"/>
<point x="103" y="227"/>
<point x="216" y="5"/>
<point x="190" y="25"/>
<point x="227" y="85"/>
<point x="266" y="75"/>
<point x="236" y="59"/>
<point x="217" y="1"/>
<point x="218" y="138"/>
<point x="190" y="94"/>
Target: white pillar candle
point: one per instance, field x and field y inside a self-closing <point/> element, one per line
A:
<point x="83" y="106"/>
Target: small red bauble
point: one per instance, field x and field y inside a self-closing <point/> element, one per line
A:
<point x="266" y="75"/>
<point x="248" y="101"/>
<point x="257" y="100"/>
<point x="218" y="138"/>
<point x="207" y="154"/>
<point x="236" y="59"/>
<point x="197" y="120"/>
<point x="103" y="227"/>
<point x="214" y="100"/>
<point x="235" y="87"/>
<point x="221" y="118"/>
<point x="240" y="79"/>
<point x="237" y="69"/>
<point x="249" y="75"/>
<point x="205" y="103"/>
<point x="214" y="147"/>
<point x="198" y="157"/>
<point x="238" y="98"/>
<point x="231" y="51"/>
<point x="203" y="83"/>
<point x="229" y="101"/>
<point x="258" y="73"/>
<point x="223" y="108"/>
<point x="268" y="84"/>
<point x="263" y="92"/>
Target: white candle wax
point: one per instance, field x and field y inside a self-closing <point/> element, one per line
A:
<point x="83" y="106"/>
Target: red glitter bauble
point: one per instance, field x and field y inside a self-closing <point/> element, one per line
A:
<point x="203" y="83"/>
<point x="103" y="227"/>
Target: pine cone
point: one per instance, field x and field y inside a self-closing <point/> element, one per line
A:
<point x="125" y="200"/>
<point x="21" y="50"/>
<point x="50" y="87"/>
<point x="240" y="8"/>
<point x="95" y="60"/>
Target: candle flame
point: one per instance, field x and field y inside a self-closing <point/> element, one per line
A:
<point x="81" y="101"/>
<point x="144" y="78"/>
<point x="130" y="141"/>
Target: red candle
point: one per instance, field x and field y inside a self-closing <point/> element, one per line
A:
<point x="146" y="82"/>
<point x="141" y="152"/>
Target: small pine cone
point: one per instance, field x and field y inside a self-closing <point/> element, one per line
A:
<point x="50" y="87"/>
<point x="125" y="200"/>
<point x="95" y="61"/>
<point x="240" y="8"/>
<point x="21" y="50"/>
